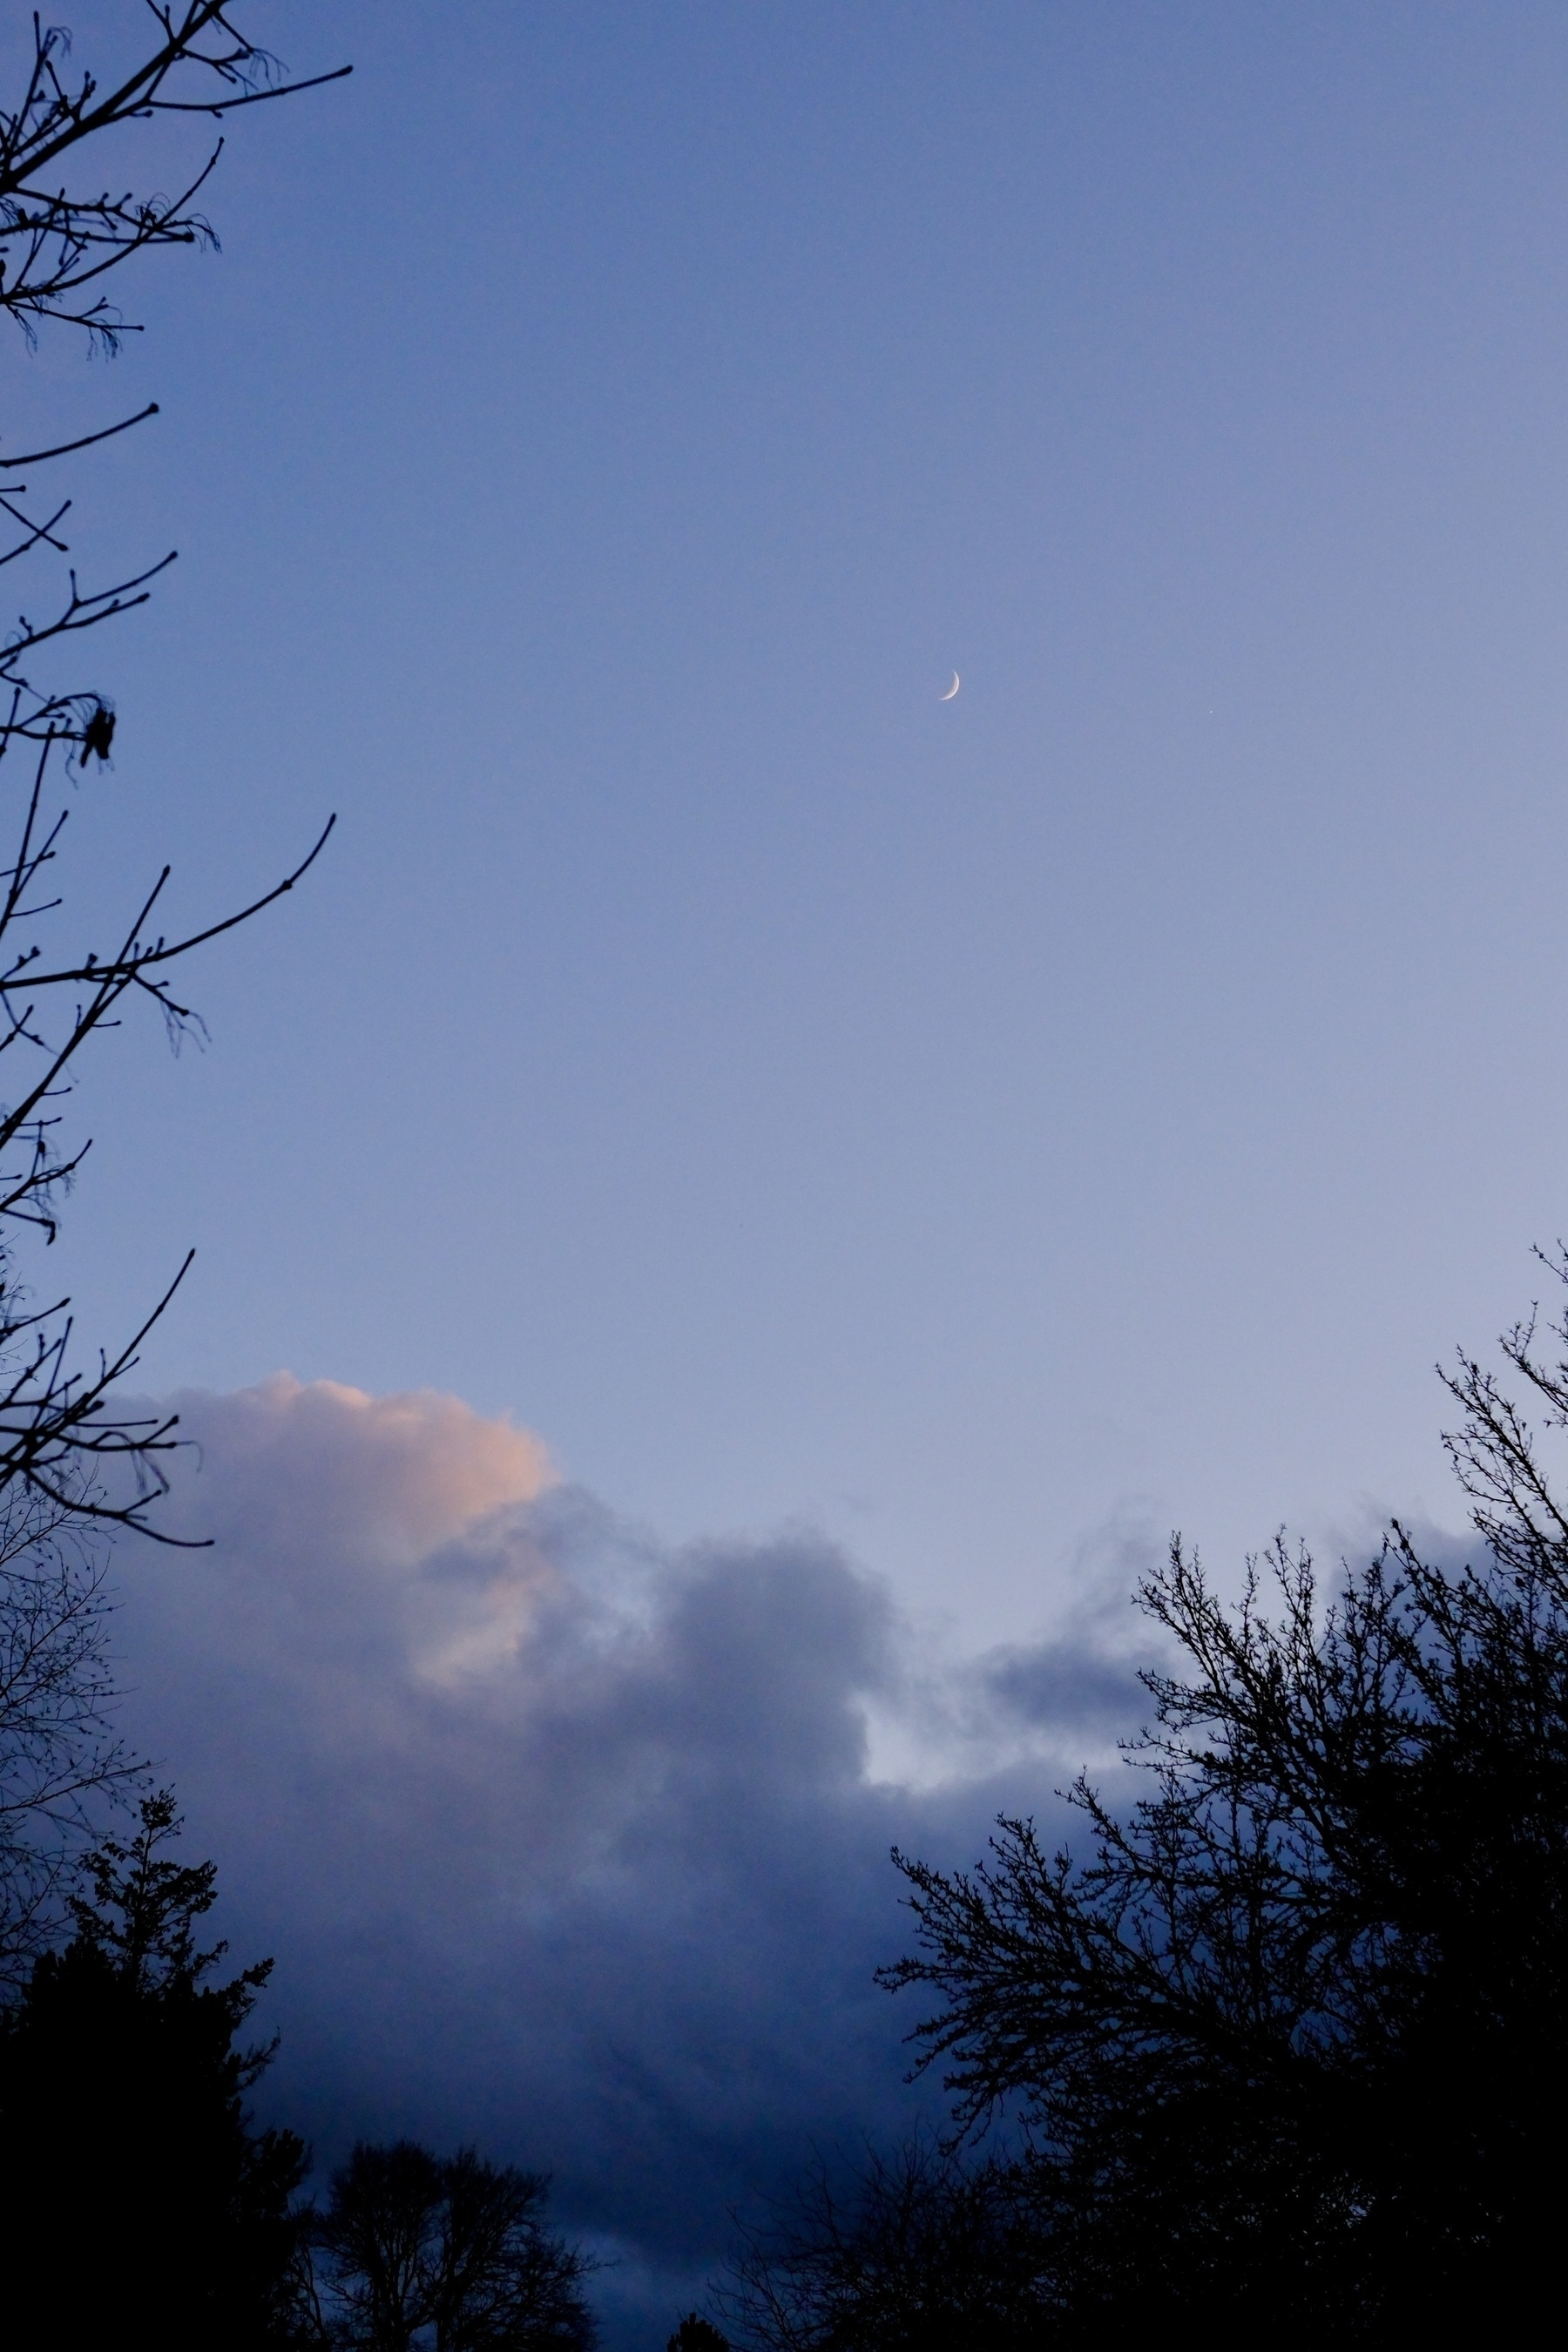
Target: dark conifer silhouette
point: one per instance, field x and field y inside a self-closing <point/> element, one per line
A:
<point x="136" y="2199"/>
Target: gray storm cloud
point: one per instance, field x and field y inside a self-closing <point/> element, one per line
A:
<point x="563" y="1843"/>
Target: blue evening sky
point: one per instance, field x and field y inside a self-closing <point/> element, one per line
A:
<point x="964" y="1125"/>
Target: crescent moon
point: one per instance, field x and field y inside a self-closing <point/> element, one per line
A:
<point x="952" y="690"/>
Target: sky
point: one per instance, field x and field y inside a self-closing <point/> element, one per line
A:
<point x="922" y="1150"/>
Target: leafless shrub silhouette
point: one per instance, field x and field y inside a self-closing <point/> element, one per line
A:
<point x="58" y="1750"/>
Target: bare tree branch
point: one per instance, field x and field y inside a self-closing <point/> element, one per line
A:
<point x="74" y="1467"/>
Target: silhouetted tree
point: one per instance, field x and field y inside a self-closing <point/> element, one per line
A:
<point x="409" y="2243"/>
<point x="58" y="1751"/>
<point x="135" y="2199"/>
<point x="919" y="2252"/>
<point x="68" y="1461"/>
<point x="1291" y="2046"/>
<point x="56" y="245"/>
<point x="696" y="2334"/>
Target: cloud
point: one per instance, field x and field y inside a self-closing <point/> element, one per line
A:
<point x="565" y="1842"/>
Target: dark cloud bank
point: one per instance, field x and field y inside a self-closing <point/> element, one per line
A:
<point x="565" y="1844"/>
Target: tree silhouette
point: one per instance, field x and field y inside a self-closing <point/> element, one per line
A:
<point x="56" y="244"/>
<point x="918" y="2252"/>
<point x="1294" y="2039"/>
<point x="411" y="2245"/>
<point x="56" y="247"/>
<point x="132" y="2187"/>
<point x="68" y="1460"/>
<point x="696" y="2334"/>
<point x="60" y="1755"/>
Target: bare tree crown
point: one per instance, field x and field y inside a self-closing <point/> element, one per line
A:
<point x="72" y="1467"/>
<point x="59" y="236"/>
